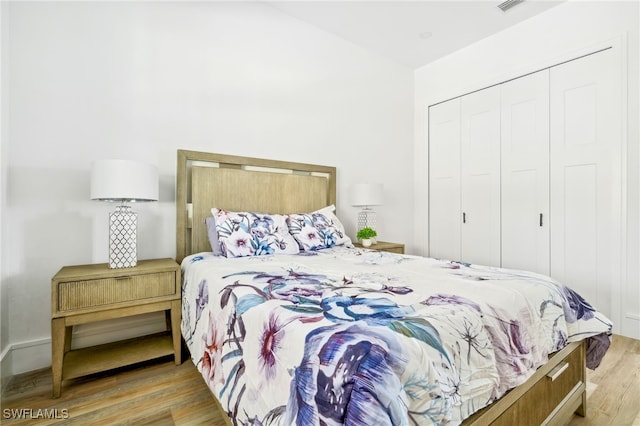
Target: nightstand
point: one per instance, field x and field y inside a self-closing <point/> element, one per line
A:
<point x="384" y="246"/>
<point x="88" y="293"/>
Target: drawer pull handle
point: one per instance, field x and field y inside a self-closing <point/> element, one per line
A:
<point x="124" y="277"/>
<point x="557" y="371"/>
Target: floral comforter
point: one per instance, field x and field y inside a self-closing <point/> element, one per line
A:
<point x="351" y="336"/>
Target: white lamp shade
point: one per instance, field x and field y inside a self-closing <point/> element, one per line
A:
<point x="123" y="180"/>
<point x="366" y="194"/>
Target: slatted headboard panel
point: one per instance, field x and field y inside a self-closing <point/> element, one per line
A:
<point x="206" y="180"/>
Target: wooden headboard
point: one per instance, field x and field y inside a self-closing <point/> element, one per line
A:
<point x="205" y="180"/>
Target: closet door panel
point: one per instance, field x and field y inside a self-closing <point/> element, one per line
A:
<point x="525" y="172"/>
<point x="586" y="175"/>
<point x="480" y="177"/>
<point x="580" y="229"/>
<point x="444" y="180"/>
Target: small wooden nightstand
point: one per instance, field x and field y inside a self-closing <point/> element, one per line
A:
<point x="384" y="246"/>
<point x="88" y="293"/>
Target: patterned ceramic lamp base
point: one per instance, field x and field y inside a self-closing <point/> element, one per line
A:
<point x="367" y="217"/>
<point x="122" y="238"/>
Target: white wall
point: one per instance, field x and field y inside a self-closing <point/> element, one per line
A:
<point x="92" y="80"/>
<point x="558" y="34"/>
<point x="4" y="323"/>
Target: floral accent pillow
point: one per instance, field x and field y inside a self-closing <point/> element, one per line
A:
<point x="317" y="230"/>
<point x="253" y="234"/>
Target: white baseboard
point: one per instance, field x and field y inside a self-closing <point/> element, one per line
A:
<point x="5" y="363"/>
<point x="30" y="355"/>
<point x="631" y="325"/>
<point x="27" y="356"/>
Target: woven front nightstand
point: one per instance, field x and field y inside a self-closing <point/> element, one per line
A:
<point x="88" y="293"/>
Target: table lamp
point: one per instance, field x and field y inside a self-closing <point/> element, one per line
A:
<point x="123" y="181"/>
<point x="365" y="195"/>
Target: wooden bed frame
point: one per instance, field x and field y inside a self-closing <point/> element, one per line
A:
<point x="204" y="180"/>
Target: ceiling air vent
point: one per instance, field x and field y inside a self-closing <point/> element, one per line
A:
<point x="509" y="4"/>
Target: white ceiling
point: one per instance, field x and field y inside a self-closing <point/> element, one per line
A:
<point x="395" y="29"/>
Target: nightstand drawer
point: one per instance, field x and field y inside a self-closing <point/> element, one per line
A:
<point x="126" y="288"/>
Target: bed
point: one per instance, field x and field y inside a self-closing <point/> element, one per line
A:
<point x="315" y="331"/>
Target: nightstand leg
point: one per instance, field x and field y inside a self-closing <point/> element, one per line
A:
<point x="167" y="319"/>
<point x="58" y="343"/>
<point x="68" y="332"/>
<point x="175" y="330"/>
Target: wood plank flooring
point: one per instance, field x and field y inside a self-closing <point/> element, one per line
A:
<point x="161" y="393"/>
<point x="613" y="389"/>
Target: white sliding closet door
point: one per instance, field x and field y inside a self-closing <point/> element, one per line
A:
<point x="525" y="172"/>
<point x="586" y="181"/>
<point x="444" y="180"/>
<point x="480" y="176"/>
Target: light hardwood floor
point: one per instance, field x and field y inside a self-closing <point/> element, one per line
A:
<point x="613" y="389"/>
<point x="162" y="394"/>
